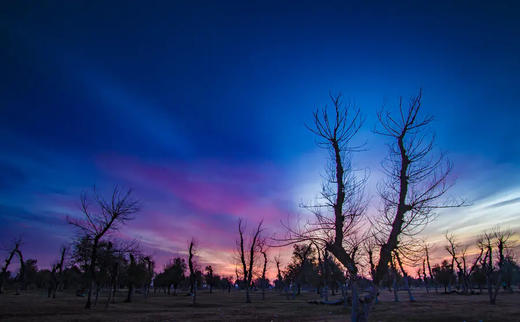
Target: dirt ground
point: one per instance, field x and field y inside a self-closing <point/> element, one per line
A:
<point x="221" y="306"/>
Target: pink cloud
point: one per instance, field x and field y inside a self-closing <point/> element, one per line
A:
<point x="202" y="200"/>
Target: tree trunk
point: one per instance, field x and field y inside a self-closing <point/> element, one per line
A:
<point x="394" y="286"/>
<point x="107" y="303"/>
<point x="114" y="290"/>
<point x="248" y="299"/>
<point x="355" y="303"/>
<point x="326" y="292"/>
<point x="490" y="292"/>
<point x="407" y="285"/>
<point x="405" y="277"/>
<point x="344" y="294"/>
<point x="97" y="294"/>
<point x="92" y="272"/>
<point x="130" y="291"/>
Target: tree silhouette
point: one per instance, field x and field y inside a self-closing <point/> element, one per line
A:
<point x="109" y="216"/>
<point x="209" y="278"/>
<point x="458" y="255"/>
<point x="339" y="210"/>
<point x="443" y="274"/>
<point x="247" y="252"/>
<point x="174" y="274"/>
<point x="500" y="240"/>
<point x="416" y="180"/>
<point x="193" y="276"/>
<point x="13" y="251"/>
<point x="57" y="273"/>
<point x="263" y="281"/>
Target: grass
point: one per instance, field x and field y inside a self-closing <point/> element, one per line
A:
<point x="221" y="306"/>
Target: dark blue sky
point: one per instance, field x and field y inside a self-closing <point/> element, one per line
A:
<point x="176" y="98"/>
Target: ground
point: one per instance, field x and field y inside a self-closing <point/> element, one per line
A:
<point x="221" y="306"/>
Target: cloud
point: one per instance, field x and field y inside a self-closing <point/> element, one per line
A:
<point x="201" y="199"/>
<point x="504" y="203"/>
<point x="24" y="217"/>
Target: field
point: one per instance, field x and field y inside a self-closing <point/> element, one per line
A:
<point x="221" y="306"/>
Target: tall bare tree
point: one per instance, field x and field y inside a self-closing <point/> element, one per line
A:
<point x="341" y="205"/>
<point x="108" y="216"/>
<point x="248" y="248"/>
<point x="416" y="184"/>
<point x="417" y="179"/>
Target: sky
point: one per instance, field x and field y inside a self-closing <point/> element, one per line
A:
<point x="200" y="107"/>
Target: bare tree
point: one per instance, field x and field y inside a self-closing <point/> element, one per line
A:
<point x="280" y="284"/>
<point x="459" y="258"/>
<point x="131" y="270"/>
<point x="114" y="278"/>
<point x="193" y="277"/>
<point x="209" y="278"/>
<point x="21" y="273"/>
<point x="416" y="184"/>
<point x="395" y="275"/>
<point x="369" y="247"/>
<point x="13" y="251"/>
<point x="427" y="260"/>
<point x="502" y="240"/>
<point x="150" y="267"/>
<point x="422" y="274"/>
<point x="417" y="179"/>
<point x="57" y="273"/>
<point x="109" y="216"/>
<point x="341" y="205"/>
<point x="405" y="276"/>
<point x="323" y="270"/>
<point x="247" y="252"/>
<point x="263" y="281"/>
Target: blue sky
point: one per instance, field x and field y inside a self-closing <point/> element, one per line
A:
<point x="213" y="96"/>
